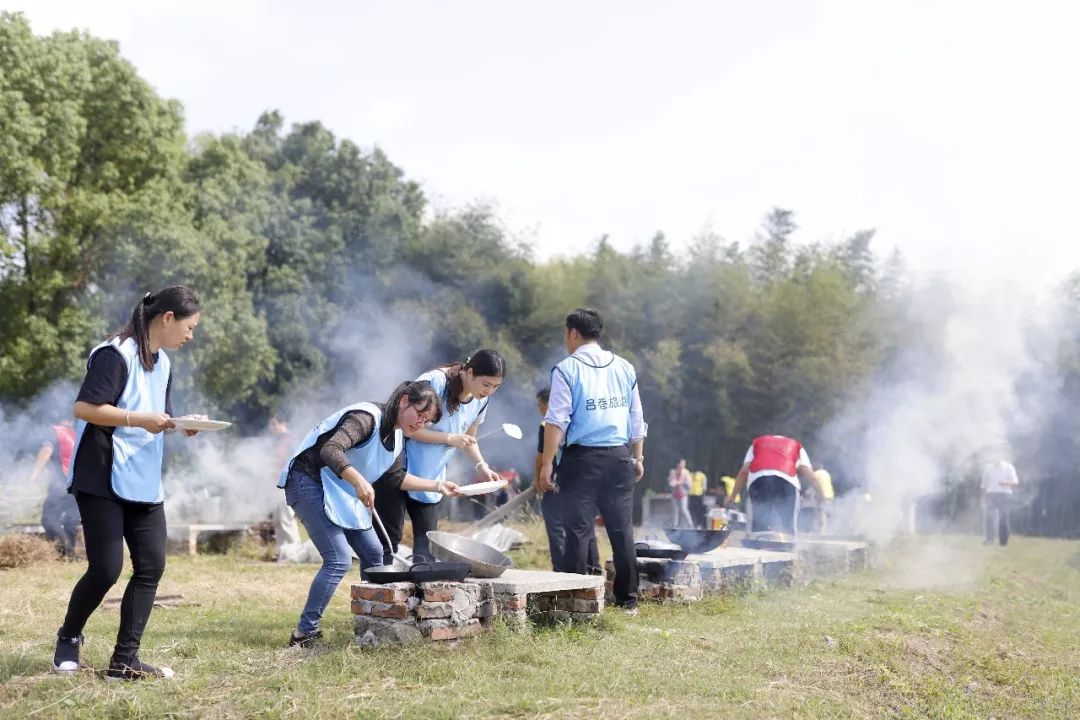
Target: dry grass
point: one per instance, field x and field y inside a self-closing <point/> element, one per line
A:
<point x="1007" y="645"/>
<point x="18" y="550"/>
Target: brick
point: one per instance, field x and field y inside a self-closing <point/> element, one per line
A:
<point x="486" y="591"/>
<point x="543" y="602"/>
<point x="428" y="610"/>
<point x="514" y="602"/>
<point x="445" y="630"/>
<point x="485" y="609"/>
<point x="361" y="607"/>
<point x="577" y="605"/>
<point x="436" y="595"/>
<point x="595" y="593"/>
<point x="398" y="611"/>
<point x="389" y="593"/>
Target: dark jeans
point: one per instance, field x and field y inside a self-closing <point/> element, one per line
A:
<point x="600" y="480"/>
<point x="107" y="524"/>
<point x="60" y="519"/>
<point x="393" y="504"/>
<point x="997" y="504"/>
<point x="551" y="507"/>
<point x="697" y="510"/>
<point x="774" y="504"/>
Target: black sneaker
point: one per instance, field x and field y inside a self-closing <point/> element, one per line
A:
<point x="136" y="670"/>
<point x="66" y="658"/>
<point x="305" y="641"/>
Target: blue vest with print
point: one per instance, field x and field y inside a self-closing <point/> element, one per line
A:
<point x="371" y="459"/>
<point x="600" y="401"/>
<point x="429" y="460"/>
<point x="136" y="453"/>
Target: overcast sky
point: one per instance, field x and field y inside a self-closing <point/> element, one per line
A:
<point x="950" y="127"/>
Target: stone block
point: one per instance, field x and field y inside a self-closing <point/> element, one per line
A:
<point x="485" y="609"/>
<point x="378" y="632"/>
<point x="429" y="610"/>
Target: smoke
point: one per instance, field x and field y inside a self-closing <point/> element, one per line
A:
<point x="947" y="400"/>
<point x="23" y="430"/>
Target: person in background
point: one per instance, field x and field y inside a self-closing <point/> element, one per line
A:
<point x="998" y="482"/>
<point x="464" y="389"/>
<point x="549" y="505"/>
<point x="286" y="530"/>
<point x="329" y="483"/>
<point x="698" y="487"/>
<point x="594" y="423"/>
<point x="123" y="407"/>
<point x="771" y="473"/>
<point x="679" y="482"/>
<point x="729" y="486"/>
<point x="60" y="513"/>
<point x="821" y="502"/>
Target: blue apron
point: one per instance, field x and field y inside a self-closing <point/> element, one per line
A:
<point x="600" y="397"/>
<point x="429" y="460"/>
<point x="370" y="459"/>
<point x="136" y="453"/>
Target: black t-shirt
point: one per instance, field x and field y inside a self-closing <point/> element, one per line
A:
<point x="540" y="440"/>
<point x="104" y="383"/>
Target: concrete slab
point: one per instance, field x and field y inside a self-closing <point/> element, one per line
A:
<point x="528" y="582"/>
<point x="727" y="555"/>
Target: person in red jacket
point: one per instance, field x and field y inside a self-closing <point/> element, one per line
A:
<point x="771" y="472"/>
<point x="59" y="515"/>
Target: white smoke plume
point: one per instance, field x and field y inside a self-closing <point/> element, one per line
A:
<point x="949" y="401"/>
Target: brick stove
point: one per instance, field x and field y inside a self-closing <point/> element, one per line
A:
<point x="402" y="613"/>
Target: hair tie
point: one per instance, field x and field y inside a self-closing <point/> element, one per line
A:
<point x="147" y="299"/>
<point x="467" y="359"/>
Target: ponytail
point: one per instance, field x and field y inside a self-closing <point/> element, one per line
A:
<point x="483" y="363"/>
<point x="180" y="300"/>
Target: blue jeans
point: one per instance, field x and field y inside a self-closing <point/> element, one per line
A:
<point x="305" y="496"/>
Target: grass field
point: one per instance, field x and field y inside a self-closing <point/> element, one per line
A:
<point x="944" y="628"/>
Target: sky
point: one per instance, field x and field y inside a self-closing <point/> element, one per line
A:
<point x="946" y="126"/>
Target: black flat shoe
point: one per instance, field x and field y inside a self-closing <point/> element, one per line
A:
<point x="137" y="670"/>
<point x="305" y="641"/>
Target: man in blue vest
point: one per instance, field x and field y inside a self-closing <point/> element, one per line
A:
<point x="594" y="422"/>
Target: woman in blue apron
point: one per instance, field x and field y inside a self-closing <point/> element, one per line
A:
<point x="328" y="482"/>
<point x="123" y="407"/>
<point x="464" y="389"/>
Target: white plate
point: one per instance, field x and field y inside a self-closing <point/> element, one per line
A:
<point x="482" y="488"/>
<point x="195" y="424"/>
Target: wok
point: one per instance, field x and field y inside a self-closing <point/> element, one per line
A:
<point x="769" y="540"/>
<point x="697" y="541"/>
<point x="417" y="572"/>
<point x="659" y="549"/>
<point x="482" y="559"/>
<point x="402" y="571"/>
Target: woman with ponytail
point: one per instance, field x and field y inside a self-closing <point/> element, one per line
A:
<point x="123" y="407"/>
<point x="464" y="388"/>
<point x="329" y="483"/>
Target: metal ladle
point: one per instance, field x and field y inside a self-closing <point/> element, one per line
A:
<point x="386" y="538"/>
<point x="509" y="428"/>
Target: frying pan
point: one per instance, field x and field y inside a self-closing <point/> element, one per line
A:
<point x="777" y="541"/>
<point x="659" y="549"/>
<point x="402" y="571"/>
